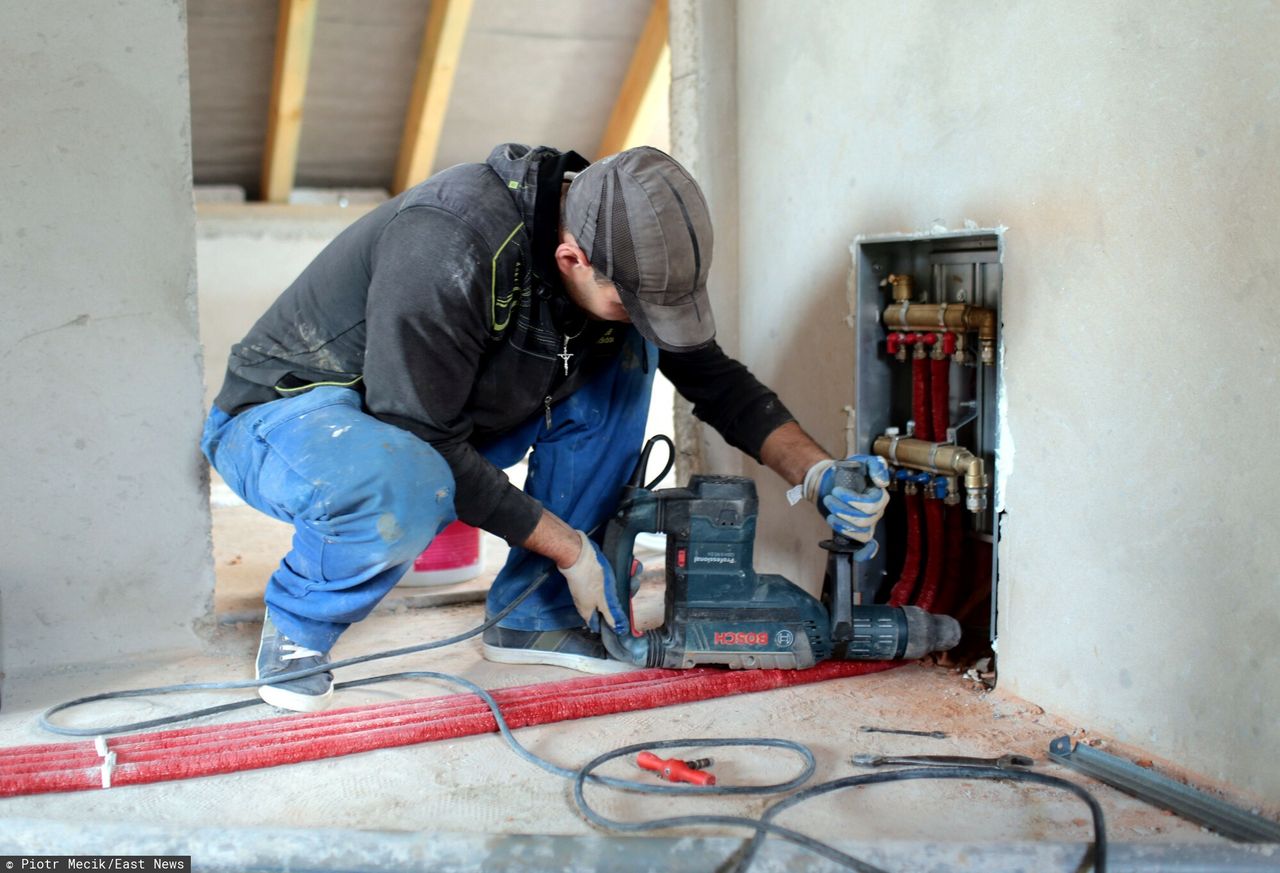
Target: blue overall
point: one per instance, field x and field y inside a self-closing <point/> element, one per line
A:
<point x="366" y="497"/>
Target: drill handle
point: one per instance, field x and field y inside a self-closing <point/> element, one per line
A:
<point x="852" y="475"/>
<point x="639" y="513"/>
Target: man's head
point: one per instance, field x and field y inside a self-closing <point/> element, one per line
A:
<point x="636" y="246"/>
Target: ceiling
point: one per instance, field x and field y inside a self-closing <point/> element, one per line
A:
<point x="534" y="71"/>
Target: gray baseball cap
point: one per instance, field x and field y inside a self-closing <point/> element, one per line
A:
<point x="643" y="222"/>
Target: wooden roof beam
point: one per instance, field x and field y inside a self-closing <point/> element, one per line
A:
<point x="643" y="89"/>
<point x="437" y="62"/>
<point x="295" y="32"/>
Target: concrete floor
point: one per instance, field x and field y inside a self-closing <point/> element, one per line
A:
<point x="476" y="786"/>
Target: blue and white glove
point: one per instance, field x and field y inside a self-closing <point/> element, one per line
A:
<point x="850" y="513"/>
<point x="591" y="582"/>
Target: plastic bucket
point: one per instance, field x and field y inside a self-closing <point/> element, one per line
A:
<point x="454" y="555"/>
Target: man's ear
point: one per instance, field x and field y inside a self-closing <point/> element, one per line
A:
<point x="570" y="256"/>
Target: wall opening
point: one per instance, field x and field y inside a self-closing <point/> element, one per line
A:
<point x="926" y="311"/>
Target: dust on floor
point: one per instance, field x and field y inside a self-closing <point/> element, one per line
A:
<point x="476" y="784"/>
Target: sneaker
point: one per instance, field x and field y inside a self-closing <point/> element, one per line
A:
<point x="575" y="648"/>
<point x="279" y="654"/>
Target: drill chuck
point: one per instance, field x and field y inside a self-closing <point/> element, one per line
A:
<point x="883" y="633"/>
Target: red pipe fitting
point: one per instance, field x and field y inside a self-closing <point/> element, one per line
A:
<point x="948" y="344"/>
<point x="673" y="769"/>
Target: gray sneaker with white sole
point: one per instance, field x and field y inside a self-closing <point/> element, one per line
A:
<point x="278" y="654"/>
<point x="575" y="648"/>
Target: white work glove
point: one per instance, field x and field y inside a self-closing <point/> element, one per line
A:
<point x="851" y="514"/>
<point x="591" y="582"/>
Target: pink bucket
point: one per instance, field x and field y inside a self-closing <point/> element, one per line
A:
<point x="453" y="556"/>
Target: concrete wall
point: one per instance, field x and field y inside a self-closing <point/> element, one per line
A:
<point x="102" y="501"/>
<point x="704" y="109"/>
<point x="1131" y="149"/>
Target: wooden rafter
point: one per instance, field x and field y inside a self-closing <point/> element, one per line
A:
<point x="432" y="84"/>
<point x="295" y="32"/>
<point x="642" y="90"/>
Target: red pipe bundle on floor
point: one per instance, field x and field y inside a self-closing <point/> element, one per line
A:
<point x="215" y="749"/>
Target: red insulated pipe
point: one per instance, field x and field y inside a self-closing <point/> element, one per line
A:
<point x="907" y="579"/>
<point x="935" y="538"/>
<point x="940" y="389"/>
<point x="906" y="584"/>
<point x="920" y="398"/>
<point x="196" y="740"/>
<point x="953" y="576"/>
<point x="216" y="749"/>
<point x="935" y="556"/>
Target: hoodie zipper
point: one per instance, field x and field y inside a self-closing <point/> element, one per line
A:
<point x="546" y="403"/>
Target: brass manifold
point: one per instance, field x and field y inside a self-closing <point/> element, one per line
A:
<point x="961" y="318"/>
<point x="943" y="459"/>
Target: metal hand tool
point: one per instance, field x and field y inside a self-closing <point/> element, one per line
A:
<point x="675" y="770"/>
<point x="869" y="729"/>
<point x="1004" y="762"/>
<point x="1159" y="790"/>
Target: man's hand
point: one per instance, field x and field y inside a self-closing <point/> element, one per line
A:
<point x="591" y="582"/>
<point x="793" y="455"/>
<point x="589" y="575"/>
<point x="851" y="514"/>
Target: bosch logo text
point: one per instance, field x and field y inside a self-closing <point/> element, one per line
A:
<point x="741" y="638"/>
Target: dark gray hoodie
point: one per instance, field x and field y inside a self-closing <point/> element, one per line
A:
<point x="443" y="306"/>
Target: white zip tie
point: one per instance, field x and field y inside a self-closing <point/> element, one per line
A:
<point x="108" y="759"/>
<point x="108" y="766"/>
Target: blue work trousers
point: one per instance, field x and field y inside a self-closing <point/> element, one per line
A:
<point x="366" y="497"/>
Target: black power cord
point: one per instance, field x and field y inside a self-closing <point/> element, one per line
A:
<point x="637" y="480"/>
<point x="763" y="826"/>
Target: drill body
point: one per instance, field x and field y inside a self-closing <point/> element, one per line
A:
<point x="718" y="610"/>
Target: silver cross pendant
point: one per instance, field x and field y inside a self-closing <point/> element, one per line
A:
<point x="565" y="356"/>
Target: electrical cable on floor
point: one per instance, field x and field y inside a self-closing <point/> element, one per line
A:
<point x="1099" y="847"/>
<point x="637" y="480"/>
<point x="762" y="826"/>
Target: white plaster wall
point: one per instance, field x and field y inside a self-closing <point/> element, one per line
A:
<point x="102" y="497"/>
<point x="1132" y="150"/>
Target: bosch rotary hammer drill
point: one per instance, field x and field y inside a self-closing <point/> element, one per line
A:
<point x="720" y="611"/>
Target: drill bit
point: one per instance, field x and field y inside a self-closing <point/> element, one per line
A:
<point x="868" y="729"/>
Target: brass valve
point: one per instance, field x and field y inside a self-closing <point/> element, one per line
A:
<point x="941" y="458"/>
<point x="903" y="286"/>
<point x="960" y="318"/>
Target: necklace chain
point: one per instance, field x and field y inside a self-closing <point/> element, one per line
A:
<point x="567" y="355"/>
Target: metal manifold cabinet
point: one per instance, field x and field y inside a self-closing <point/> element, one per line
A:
<point x="927" y="391"/>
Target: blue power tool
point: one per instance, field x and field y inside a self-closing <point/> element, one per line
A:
<point x="720" y="611"/>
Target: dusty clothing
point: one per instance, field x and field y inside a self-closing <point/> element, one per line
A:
<point x="444" y="307"/>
